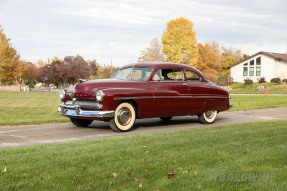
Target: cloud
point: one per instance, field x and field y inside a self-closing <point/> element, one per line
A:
<point x="119" y="30"/>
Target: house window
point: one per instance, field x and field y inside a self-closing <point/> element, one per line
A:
<point x="245" y="64"/>
<point x="245" y="71"/>
<point x="258" y="71"/>
<point x="252" y="63"/>
<point x="251" y="71"/>
<point x="258" y="61"/>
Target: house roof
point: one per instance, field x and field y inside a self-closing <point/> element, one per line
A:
<point x="276" y="56"/>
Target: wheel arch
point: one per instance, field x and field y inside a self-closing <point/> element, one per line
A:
<point x="134" y="103"/>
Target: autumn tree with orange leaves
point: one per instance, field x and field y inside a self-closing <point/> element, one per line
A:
<point x="179" y="42"/>
<point x="209" y="62"/>
<point x="9" y="60"/>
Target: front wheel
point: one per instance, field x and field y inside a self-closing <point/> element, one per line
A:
<point x="124" y="118"/>
<point x="81" y="122"/>
<point x="207" y="117"/>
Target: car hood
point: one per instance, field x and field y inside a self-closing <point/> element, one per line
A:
<point x="88" y="89"/>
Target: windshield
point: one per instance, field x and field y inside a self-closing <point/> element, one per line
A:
<point x="133" y="73"/>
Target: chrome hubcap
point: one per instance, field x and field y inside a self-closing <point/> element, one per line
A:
<point x="124" y="116"/>
<point x="209" y="114"/>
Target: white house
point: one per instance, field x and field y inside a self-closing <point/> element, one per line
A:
<point x="262" y="64"/>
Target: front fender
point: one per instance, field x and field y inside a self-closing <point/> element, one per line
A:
<point x="112" y="97"/>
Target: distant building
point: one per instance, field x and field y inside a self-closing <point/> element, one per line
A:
<point x="262" y="64"/>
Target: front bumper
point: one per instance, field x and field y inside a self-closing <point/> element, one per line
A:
<point x="78" y="109"/>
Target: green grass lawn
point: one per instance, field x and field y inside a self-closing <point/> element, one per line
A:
<point x="273" y="88"/>
<point x="240" y="102"/>
<point x="237" y="157"/>
<point x="18" y="108"/>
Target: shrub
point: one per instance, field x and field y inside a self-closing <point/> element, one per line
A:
<point x="284" y="80"/>
<point x="276" y="80"/>
<point x="261" y="80"/>
<point x="248" y="81"/>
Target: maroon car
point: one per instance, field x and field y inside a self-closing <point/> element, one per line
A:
<point x="144" y="90"/>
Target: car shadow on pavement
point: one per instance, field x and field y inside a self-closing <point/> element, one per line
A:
<point x="155" y="123"/>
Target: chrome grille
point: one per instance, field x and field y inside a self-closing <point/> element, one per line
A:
<point x="89" y="105"/>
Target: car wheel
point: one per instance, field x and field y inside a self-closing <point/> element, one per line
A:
<point x="81" y="122"/>
<point x="207" y="117"/>
<point x="165" y="118"/>
<point x="124" y="118"/>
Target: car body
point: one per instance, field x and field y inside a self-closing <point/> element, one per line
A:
<point x="144" y="90"/>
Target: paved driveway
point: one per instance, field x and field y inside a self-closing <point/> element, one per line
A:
<point x="15" y="136"/>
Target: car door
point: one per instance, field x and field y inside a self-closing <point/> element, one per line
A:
<point x="171" y="92"/>
<point x="198" y="91"/>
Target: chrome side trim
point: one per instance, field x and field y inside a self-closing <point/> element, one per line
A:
<point x="225" y="97"/>
<point x="167" y="97"/>
<point x="78" y="112"/>
<point x="126" y="98"/>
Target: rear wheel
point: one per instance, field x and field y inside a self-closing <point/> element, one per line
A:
<point x="166" y="118"/>
<point x="207" y="117"/>
<point x="124" y="118"/>
<point x="81" y="122"/>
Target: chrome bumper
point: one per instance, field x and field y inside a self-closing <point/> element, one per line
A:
<point x="76" y="111"/>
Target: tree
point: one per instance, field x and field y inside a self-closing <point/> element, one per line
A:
<point x="153" y="53"/>
<point x="30" y="74"/>
<point x="77" y="68"/>
<point x="9" y="60"/>
<point x="179" y="42"/>
<point x="209" y="60"/>
<point x="57" y="73"/>
<point x="94" y="67"/>
<point x="104" y="72"/>
<point x="65" y="72"/>
<point x="45" y="75"/>
<point x="229" y="56"/>
<point x="40" y="63"/>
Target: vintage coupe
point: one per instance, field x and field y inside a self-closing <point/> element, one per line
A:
<point x="144" y="90"/>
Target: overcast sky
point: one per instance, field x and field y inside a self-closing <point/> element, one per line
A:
<point x="117" y="30"/>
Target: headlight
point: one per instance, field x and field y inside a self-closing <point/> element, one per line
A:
<point x="62" y="94"/>
<point x="100" y="95"/>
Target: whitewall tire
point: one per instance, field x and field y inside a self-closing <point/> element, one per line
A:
<point x="208" y="117"/>
<point x="124" y="118"/>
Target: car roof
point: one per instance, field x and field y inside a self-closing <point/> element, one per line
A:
<point x="159" y="65"/>
<point x="163" y="65"/>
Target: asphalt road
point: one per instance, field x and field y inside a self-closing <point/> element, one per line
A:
<point x="16" y="136"/>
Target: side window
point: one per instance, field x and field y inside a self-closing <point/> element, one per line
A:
<point x="157" y="76"/>
<point x="191" y="76"/>
<point x="172" y="74"/>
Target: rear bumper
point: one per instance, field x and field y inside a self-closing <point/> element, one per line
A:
<point x="76" y="111"/>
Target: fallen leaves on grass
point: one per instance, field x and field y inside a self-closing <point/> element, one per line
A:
<point x="114" y="174"/>
<point x="141" y="185"/>
<point x="171" y="175"/>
